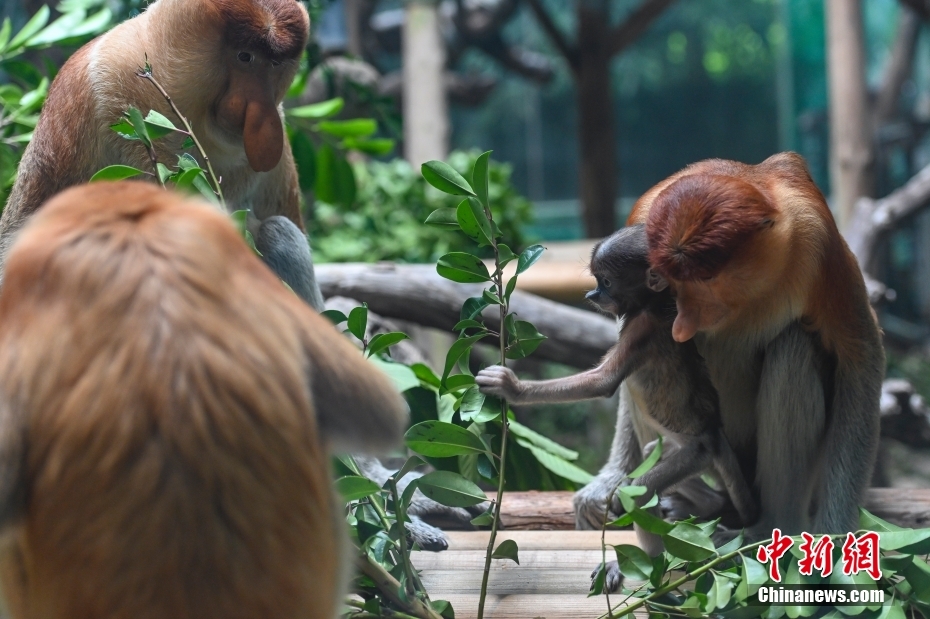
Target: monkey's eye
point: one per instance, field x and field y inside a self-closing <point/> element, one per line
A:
<point x="606" y="282"/>
<point x="275" y="63"/>
<point x="244" y="57"/>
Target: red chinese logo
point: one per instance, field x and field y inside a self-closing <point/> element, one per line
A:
<point x="771" y="553"/>
<point x="860" y="554"/>
<point x="817" y="555"/>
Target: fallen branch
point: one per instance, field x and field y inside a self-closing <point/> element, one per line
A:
<point x="416" y="293"/>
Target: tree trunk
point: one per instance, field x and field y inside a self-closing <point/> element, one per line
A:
<point x="852" y="150"/>
<point x="426" y="113"/>
<point x="596" y="137"/>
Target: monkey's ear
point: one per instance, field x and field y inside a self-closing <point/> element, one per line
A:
<point x="654" y="281"/>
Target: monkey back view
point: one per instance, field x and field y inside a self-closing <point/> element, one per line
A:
<point x="166" y="412"/>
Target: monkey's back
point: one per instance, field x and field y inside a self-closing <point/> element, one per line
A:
<point x="173" y="464"/>
<point x="672" y="380"/>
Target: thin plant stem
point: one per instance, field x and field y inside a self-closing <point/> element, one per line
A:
<point x="498" y="278"/>
<point x="146" y="74"/>
<point x="677" y="583"/>
<point x="402" y="540"/>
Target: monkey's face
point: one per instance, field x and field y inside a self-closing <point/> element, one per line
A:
<point x="249" y="106"/>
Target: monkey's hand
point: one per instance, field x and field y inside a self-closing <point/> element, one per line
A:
<point x="501" y="382"/>
<point x="591" y="502"/>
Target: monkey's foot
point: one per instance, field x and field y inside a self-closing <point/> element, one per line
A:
<point x="612" y="578"/>
<point x="426" y="536"/>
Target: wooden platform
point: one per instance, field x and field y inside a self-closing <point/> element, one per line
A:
<point x="552" y="579"/>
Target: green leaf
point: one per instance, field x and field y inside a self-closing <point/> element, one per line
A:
<point x="115" y="173"/>
<point x="907" y="541"/>
<point x="5" y="31"/>
<point x="188" y="143"/>
<point x="459" y="381"/>
<point x="507" y="549"/>
<point x="325" y="188"/>
<point x="426" y="374"/>
<point x="125" y="130"/>
<point x="305" y="159"/>
<point x="463" y="268"/>
<point x="871" y="522"/>
<point x="688" y="542"/>
<point x="137" y="122"/>
<point x="444" y="178"/>
<point x="649" y="522"/>
<point x="467" y="324"/>
<point x="402" y="376"/>
<point x="164" y="173"/>
<point x="358" y="321"/>
<point x="186" y="178"/>
<point x="451" y="489"/>
<point x="445" y="407"/>
<point x="335" y="316"/>
<point x="505" y="254"/>
<point x="649" y="462"/>
<point x="628" y="494"/>
<point x="491" y="298"/>
<point x="597" y="585"/>
<point x="31" y="28"/>
<point x="376" y="147"/>
<point x="557" y="465"/>
<point x="511" y="285"/>
<point x="459" y="348"/>
<point x="720" y="592"/>
<point x="443" y="218"/>
<point x="384" y="340"/>
<point x="528" y="257"/>
<point x="472" y="402"/>
<point x="353" y="488"/>
<point x="411" y="463"/>
<point x="484" y="519"/>
<point x="754" y="575"/>
<point x="317" y="110"/>
<point x="357" y="127"/>
<point x="525" y="341"/>
<point x="541" y="441"/>
<point x="633" y="562"/>
<point x="437" y="439"/>
<point x="472" y="308"/>
<point x="473" y="221"/>
<point x="479" y="178"/>
<point x="158" y="126"/>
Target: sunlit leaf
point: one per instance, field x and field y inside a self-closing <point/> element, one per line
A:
<point x="317" y="110"/>
<point x="353" y="488"/>
<point x="115" y="173"/>
<point x="444" y="178"/>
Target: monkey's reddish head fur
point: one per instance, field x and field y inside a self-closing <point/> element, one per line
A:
<point x="174" y="404"/>
<point x="276" y="28"/>
<point x="699" y="222"/>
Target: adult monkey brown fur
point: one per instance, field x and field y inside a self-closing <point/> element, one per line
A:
<point x="167" y="408"/>
<point x="778" y="309"/>
<point x="226" y="64"/>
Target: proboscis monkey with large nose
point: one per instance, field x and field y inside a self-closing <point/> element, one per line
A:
<point x="226" y="64"/>
<point x="167" y="411"/>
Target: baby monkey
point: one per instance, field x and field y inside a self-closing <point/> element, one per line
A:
<point x="680" y="401"/>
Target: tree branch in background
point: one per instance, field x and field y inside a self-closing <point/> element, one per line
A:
<point x="874" y="217"/>
<point x="899" y="67"/>
<point x="576" y="337"/>
<point x="568" y="51"/>
<point x="636" y="23"/>
<point x="921" y="7"/>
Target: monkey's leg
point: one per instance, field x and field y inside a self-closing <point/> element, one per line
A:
<point x="790" y="418"/>
<point x="426" y="535"/>
<point x="727" y="466"/>
<point x="285" y="249"/>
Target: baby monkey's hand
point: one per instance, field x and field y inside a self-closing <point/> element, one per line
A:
<point x="501" y="382"/>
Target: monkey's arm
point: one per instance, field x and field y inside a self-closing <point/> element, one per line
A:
<point x="599" y="382"/>
<point x="285" y="249"/>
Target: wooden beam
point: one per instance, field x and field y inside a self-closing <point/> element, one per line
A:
<point x="904" y="507"/>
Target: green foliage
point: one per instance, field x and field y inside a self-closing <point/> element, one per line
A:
<point x="393" y="201"/>
<point x="22" y="98"/>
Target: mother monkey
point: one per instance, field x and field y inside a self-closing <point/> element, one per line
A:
<point x="776" y="303"/>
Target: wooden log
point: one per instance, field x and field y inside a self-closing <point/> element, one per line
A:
<point x="904" y="507"/>
<point x="416" y="293"/>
